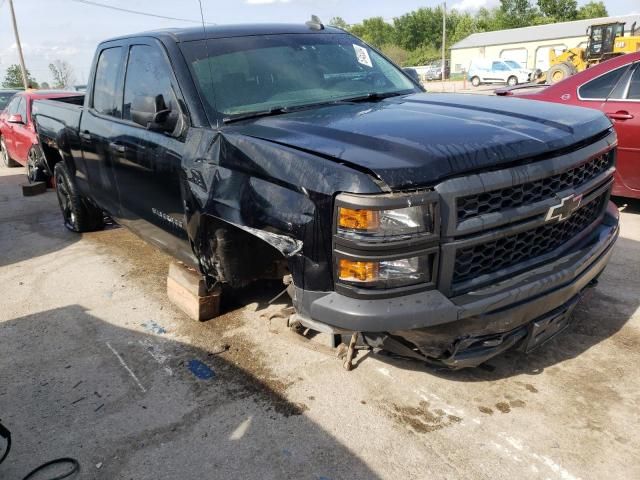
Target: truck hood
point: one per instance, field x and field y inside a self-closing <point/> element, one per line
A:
<point x="420" y="139"/>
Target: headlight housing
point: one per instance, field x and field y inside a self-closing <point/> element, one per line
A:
<point x="385" y="273"/>
<point x="382" y="225"/>
<point x="385" y="243"/>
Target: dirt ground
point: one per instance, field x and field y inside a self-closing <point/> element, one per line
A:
<point x="95" y="364"/>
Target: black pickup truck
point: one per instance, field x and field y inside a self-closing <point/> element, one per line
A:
<point x="447" y="228"/>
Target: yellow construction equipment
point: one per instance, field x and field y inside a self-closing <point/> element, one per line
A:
<point x="605" y="41"/>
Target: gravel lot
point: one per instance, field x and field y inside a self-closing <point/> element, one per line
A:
<point x="97" y="365"/>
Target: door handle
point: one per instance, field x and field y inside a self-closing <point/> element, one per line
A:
<point x="85" y="135"/>
<point x="620" y="115"/>
<point x="118" y="147"/>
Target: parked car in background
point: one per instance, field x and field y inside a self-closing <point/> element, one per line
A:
<point x="614" y="88"/>
<point x="18" y="139"/>
<point x="5" y="97"/>
<point x="435" y="71"/>
<point x="497" y="71"/>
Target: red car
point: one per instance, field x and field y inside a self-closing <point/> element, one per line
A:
<point x="613" y="87"/>
<point x="18" y="139"/>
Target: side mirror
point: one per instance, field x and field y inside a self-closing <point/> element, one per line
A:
<point x="413" y="73"/>
<point x="152" y="113"/>
<point x="15" y="118"/>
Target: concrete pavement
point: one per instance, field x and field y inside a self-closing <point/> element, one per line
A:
<point x="96" y="364"/>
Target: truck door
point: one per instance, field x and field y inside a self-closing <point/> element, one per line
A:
<point x="103" y="107"/>
<point x="148" y="149"/>
<point x="624" y="112"/>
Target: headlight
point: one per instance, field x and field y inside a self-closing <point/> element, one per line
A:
<point x="380" y="225"/>
<point x="386" y="241"/>
<point x="385" y="273"/>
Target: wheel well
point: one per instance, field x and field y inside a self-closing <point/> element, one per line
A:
<point x="51" y="156"/>
<point x="230" y="255"/>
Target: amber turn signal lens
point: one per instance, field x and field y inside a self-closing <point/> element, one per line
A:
<point x="358" y="271"/>
<point x="358" y="219"/>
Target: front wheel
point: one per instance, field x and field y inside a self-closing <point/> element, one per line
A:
<point x="475" y="81"/>
<point x="35" y="171"/>
<point x="512" y="81"/>
<point x="78" y="213"/>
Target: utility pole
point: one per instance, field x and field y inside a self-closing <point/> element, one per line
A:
<point x="15" y="31"/>
<point x="444" y="39"/>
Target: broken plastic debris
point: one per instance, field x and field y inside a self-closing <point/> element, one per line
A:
<point x="154" y="327"/>
<point x="201" y="370"/>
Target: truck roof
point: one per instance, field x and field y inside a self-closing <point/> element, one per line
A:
<point x="226" y="31"/>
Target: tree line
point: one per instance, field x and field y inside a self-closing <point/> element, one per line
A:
<point x="415" y="38"/>
<point x="61" y="72"/>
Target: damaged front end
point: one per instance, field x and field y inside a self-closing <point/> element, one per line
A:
<point x="255" y="209"/>
<point x="451" y="275"/>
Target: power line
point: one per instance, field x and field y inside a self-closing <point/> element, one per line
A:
<point x="136" y="12"/>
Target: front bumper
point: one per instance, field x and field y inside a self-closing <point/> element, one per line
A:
<point x="469" y="329"/>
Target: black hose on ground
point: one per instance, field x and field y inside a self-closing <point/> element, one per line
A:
<point x="75" y="465"/>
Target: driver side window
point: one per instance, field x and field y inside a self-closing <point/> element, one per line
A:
<point x="147" y="86"/>
<point x="12" y="108"/>
<point x="22" y="109"/>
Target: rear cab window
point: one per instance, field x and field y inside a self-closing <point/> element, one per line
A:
<point x="106" y="93"/>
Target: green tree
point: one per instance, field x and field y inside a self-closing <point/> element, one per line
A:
<point x="488" y="20"/>
<point x="559" y="10"/>
<point x="13" y="78"/>
<point x="465" y="26"/>
<point x="592" y="9"/>
<point x="374" y="31"/>
<point x="396" y="53"/>
<point x="339" y="22"/>
<point x="424" y="55"/>
<point x="420" y="27"/>
<point x="516" y="13"/>
<point x="62" y="74"/>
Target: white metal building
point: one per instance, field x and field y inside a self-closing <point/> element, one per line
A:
<point x="528" y="45"/>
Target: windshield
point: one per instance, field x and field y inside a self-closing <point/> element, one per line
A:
<point x="257" y="73"/>
<point x="4" y="98"/>
<point x="513" y="64"/>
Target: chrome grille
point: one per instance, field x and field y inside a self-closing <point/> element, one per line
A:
<point x="530" y="192"/>
<point x="489" y="257"/>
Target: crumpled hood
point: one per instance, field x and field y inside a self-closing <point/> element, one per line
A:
<point x="420" y="139"/>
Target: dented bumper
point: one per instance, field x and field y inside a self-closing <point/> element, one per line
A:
<point x="464" y="331"/>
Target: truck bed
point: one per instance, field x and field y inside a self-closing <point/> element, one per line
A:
<point x="57" y="122"/>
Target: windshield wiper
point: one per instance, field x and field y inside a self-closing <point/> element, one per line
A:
<point x="260" y="113"/>
<point x="279" y="110"/>
<point x="374" y="96"/>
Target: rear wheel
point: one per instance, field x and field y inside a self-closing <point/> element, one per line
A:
<point x="475" y="81"/>
<point x="35" y="171"/>
<point x="78" y="213"/>
<point x="559" y="72"/>
<point x="4" y="155"/>
<point x="512" y="81"/>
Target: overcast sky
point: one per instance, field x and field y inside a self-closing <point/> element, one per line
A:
<point x="68" y="30"/>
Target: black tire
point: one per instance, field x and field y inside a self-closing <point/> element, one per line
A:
<point x="35" y="170"/>
<point x="512" y="81"/>
<point x="78" y="213"/>
<point x="475" y="81"/>
<point x="7" y="161"/>
<point x="559" y="72"/>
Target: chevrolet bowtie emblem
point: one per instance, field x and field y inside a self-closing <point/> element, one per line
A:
<point x="564" y="209"/>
